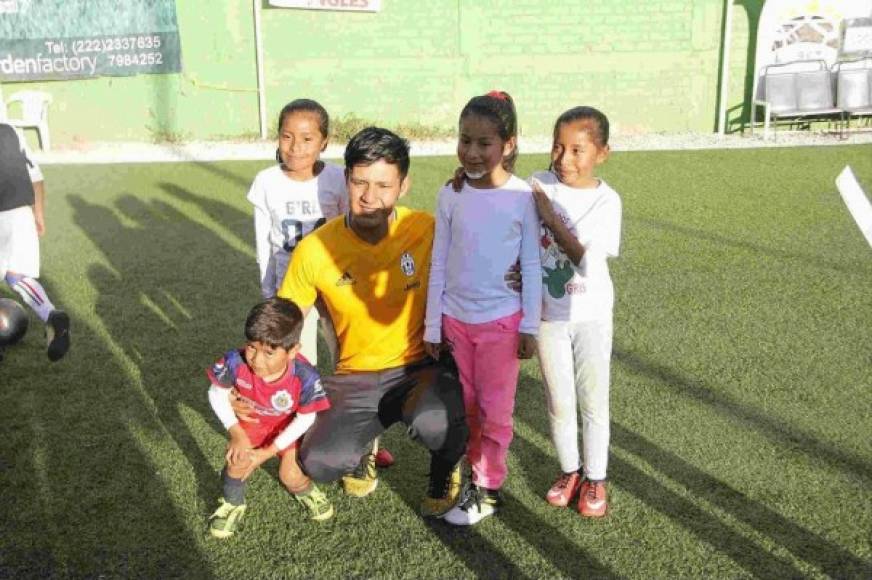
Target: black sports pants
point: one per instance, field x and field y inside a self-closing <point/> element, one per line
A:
<point x="425" y="396"/>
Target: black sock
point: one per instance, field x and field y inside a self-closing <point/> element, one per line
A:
<point x="234" y="489"/>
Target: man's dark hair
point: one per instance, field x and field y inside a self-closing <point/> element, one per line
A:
<point x="373" y="144"/>
<point x="276" y="322"/>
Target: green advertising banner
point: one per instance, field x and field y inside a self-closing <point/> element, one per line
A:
<point x="65" y="39"/>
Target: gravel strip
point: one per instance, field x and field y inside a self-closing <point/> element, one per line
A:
<point x="128" y="152"/>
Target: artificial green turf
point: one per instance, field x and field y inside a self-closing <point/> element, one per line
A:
<point x="740" y="390"/>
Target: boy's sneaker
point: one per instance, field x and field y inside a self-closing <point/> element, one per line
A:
<point x="443" y="492"/>
<point x="477" y="504"/>
<point x="592" y="499"/>
<point x="57" y="334"/>
<point x="363" y="480"/>
<point x="564" y="489"/>
<point x="226" y="520"/>
<point x="317" y="503"/>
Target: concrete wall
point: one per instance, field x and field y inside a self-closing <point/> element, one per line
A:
<point x="651" y="66"/>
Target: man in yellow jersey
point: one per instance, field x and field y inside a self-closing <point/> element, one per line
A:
<point x="371" y="270"/>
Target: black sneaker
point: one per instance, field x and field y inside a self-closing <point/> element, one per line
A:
<point x="476" y="505"/>
<point x="57" y="334"/>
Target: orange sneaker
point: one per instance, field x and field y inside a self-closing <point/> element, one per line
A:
<point x="592" y="499"/>
<point x="564" y="489"/>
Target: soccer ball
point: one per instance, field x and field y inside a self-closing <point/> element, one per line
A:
<point x="13" y="322"/>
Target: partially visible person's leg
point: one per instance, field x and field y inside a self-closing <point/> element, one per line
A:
<point x="556" y="362"/>
<point x="463" y="350"/>
<point x="427" y="398"/>
<point x="592" y="343"/>
<point x="303" y="489"/>
<point x="309" y="337"/>
<point x="334" y="444"/>
<point x="496" y="378"/>
<point x="19" y="265"/>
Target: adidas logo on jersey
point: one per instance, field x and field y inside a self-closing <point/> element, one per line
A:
<point x="345" y="280"/>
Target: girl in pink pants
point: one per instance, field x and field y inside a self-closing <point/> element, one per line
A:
<point x="481" y="231"/>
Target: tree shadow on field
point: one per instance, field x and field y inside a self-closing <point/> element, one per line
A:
<point x="832" y="559"/>
<point x="779" y="432"/>
<point x="170" y="295"/>
<point x="82" y="497"/>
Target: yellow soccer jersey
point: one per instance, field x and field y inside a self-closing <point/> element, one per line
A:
<point x="376" y="294"/>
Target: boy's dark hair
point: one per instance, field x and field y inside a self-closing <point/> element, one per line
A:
<point x="499" y="107"/>
<point x="307" y="106"/>
<point x="373" y="144"/>
<point x="599" y="123"/>
<point x="276" y="322"/>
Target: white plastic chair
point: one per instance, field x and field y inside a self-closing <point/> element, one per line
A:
<point x="34" y="114"/>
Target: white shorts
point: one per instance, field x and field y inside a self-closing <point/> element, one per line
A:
<point x="19" y="244"/>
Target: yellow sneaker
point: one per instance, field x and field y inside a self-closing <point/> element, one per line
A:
<point x="317" y="503"/>
<point x="364" y="480"/>
<point x="226" y="520"/>
<point x="443" y="493"/>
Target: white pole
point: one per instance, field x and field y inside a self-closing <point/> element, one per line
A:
<point x="725" y="69"/>
<point x="261" y="89"/>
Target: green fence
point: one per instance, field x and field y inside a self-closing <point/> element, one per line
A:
<point x="652" y="66"/>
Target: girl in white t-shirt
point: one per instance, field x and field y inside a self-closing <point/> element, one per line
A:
<point x="581" y="217"/>
<point x="294" y="197"/>
<point x="482" y="230"/>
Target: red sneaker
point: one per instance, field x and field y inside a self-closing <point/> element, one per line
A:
<point x="383" y="458"/>
<point x="592" y="499"/>
<point x="563" y="490"/>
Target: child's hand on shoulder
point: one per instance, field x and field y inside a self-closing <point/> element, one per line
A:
<point x="526" y="346"/>
<point x="543" y="205"/>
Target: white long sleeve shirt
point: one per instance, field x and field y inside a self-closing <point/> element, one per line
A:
<point x="582" y="292"/>
<point x="285" y="210"/>
<point x="480" y="234"/>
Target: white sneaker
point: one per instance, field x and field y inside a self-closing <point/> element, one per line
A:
<point x="476" y="505"/>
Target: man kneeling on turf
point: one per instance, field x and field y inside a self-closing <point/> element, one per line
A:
<point x="371" y="268"/>
<point x="285" y="395"/>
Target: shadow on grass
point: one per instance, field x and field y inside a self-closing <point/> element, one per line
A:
<point x="82" y="498"/>
<point x="832" y="559"/>
<point x="165" y="326"/>
<point x="476" y="545"/>
<point x="159" y="316"/>
<point x="853" y="269"/>
<point x="541" y="468"/>
<point x="779" y="432"/>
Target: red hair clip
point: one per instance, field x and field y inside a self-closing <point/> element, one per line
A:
<point x="497" y="95"/>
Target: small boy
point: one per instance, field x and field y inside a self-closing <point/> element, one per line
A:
<point x="285" y="393"/>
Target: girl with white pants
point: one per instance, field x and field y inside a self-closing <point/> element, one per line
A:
<point x="581" y="217"/>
